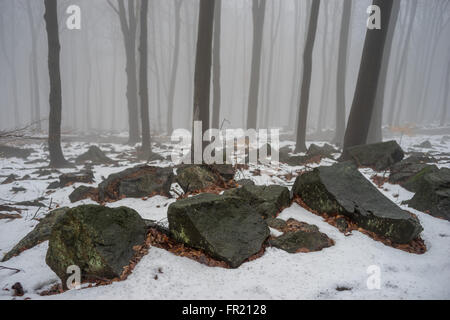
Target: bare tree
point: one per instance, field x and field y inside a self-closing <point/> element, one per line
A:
<point x="175" y="61"/>
<point x="54" y="131"/>
<point x="445" y="100"/>
<point x="375" y="130"/>
<point x="216" y="65"/>
<point x="259" y="12"/>
<point x="34" y="29"/>
<point x="367" y="84"/>
<point x="128" y="24"/>
<point x="143" y="81"/>
<point x="306" y="81"/>
<point x="203" y="60"/>
<point x="342" y="73"/>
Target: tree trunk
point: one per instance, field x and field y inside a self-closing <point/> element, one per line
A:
<point x="203" y="60"/>
<point x="175" y="61"/>
<point x="259" y="11"/>
<point x="129" y="30"/>
<point x="366" y="87"/>
<point x="342" y="73"/>
<point x="445" y="105"/>
<point x="216" y="65"/>
<point x="143" y="81"/>
<point x="34" y="68"/>
<point x="54" y="131"/>
<point x="375" y="129"/>
<point x="402" y="68"/>
<point x="306" y="81"/>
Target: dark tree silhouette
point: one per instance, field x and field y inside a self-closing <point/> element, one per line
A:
<point x="128" y="25"/>
<point x="366" y="87"/>
<point x="342" y="73"/>
<point x="175" y="60"/>
<point x="306" y="81"/>
<point x="203" y="60"/>
<point x="375" y="130"/>
<point x="216" y="65"/>
<point x="54" y="129"/>
<point x="143" y="81"/>
<point x="259" y="12"/>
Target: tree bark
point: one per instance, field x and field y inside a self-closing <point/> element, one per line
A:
<point x="143" y="81"/>
<point x="259" y="11"/>
<point x="445" y="104"/>
<point x="306" y="81"/>
<point x="54" y="132"/>
<point x="366" y="87"/>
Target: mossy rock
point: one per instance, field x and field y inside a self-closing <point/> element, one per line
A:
<point x="225" y="227"/>
<point x="267" y="200"/>
<point x="99" y="240"/>
<point x="137" y="182"/>
<point x="302" y="241"/>
<point x="379" y="156"/>
<point x="433" y="194"/>
<point x="196" y="177"/>
<point x="342" y="189"/>
<point x="409" y="172"/>
<point x="38" y="235"/>
<point x="81" y="193"/>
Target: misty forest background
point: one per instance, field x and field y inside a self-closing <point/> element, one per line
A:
<point x="410" y="87"/>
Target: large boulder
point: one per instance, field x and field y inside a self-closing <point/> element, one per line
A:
<point x="193" y="178"/>
<point x="83" y="192"/>
<point x="379" y="156"/>
<point x="95" y="156"/>
<point x="99" y="240"/>
<point x="410" y="172"/>
<point x="433" y="194"/>
<point x="326" y="151"/>
<point x="267" y="200"/>
<point x="137" y="182"/>
<point x="342" y="189"/>
<point x="225" y="227"/>
<point x="39" y="234"/>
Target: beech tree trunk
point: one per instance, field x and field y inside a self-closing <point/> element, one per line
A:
<point x="54" y="131"/>
<point x="368" y="80"/>
<point x="306" y="81"/>
<point x="203" y="60"/>
<point x="143" y="81"/>
<point x="259" y="12"/>
<point x="216" y="65"/>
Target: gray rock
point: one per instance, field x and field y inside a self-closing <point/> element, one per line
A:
<point x="82" y="193"/>
<point x="225" y="227"/>
<point x="14" y="152"/>
<point x="409" y="172"/>
<point x="193" y="178"/>
<point x="433" y="194"/>
<point x="342" y="189"/>
<point x="379" y="156"/>
<point x="99" y="240"/>
<point x="137" y="182"/>
<point x="267" y="200"/>
<point x="95" y="156"/>
<point x="38" y="235"/>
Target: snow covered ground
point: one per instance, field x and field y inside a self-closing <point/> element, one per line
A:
<point x="276" y="275"/>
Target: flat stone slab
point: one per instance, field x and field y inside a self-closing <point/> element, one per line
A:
<point x="342" y="189"/>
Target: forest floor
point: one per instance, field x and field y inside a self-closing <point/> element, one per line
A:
<point x="337" y="272"/>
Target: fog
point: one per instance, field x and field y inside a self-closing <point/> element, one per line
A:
<point x="94" y="80"/>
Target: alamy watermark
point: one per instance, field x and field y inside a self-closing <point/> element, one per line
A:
<point x="231" y="146"/>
